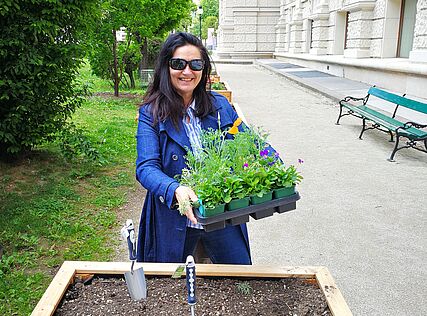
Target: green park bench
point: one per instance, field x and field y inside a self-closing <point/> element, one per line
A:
<point x="412" y="131"/>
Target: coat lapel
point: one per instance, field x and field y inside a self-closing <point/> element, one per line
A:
<point x="179" y="136"/>
<point x="211" y="121"/>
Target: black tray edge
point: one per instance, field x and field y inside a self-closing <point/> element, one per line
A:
<point x="246" y="210"/>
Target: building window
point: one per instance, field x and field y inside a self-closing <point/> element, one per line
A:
<point x="346" y="30"/>
<point x="408" y="13"/>
<point x="310" y="35"/>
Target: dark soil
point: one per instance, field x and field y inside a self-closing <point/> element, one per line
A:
<point x="215" y="296"/>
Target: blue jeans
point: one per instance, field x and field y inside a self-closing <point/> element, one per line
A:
<point x="227" y="246"/>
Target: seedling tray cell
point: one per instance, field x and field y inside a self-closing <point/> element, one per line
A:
<point x="262" y="214"/>
<point x="241" y="216"/>
<point x="238" y="220"/>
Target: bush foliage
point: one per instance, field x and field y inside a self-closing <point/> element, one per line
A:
<point x="40" y="52"/>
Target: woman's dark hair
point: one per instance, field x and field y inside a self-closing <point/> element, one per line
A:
<point x="164" y="100"/>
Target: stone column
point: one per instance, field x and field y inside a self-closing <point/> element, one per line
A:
<point x="419" y="47"/>
<point x="281" y="35"/>
<point x="295" y="45"/>
<point x="225" y="30"/>
<point x="320" y="28"/>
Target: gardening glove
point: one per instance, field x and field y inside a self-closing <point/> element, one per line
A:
<point x="185" y="195"/>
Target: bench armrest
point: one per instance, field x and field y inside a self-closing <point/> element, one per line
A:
<point x="412" y="124"/>
<point x="350" y="98"/>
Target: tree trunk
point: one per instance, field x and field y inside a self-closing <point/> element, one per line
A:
<point x="129" y="71"/>
<point x="144" y="53"/>
<point x="115" y="66"/>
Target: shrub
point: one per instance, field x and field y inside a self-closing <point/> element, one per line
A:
<point x="40" y="52"/>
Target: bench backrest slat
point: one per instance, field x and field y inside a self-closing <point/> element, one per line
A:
<point x="399" y="100"/>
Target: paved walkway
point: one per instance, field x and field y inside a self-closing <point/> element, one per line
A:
<point x="337" y="88"/>
<point x="359" y="215"/>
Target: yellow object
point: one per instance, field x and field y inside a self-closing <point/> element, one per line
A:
<point x="234" y="130"/>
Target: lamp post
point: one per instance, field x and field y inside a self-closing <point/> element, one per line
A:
<point x="200" y="12"/>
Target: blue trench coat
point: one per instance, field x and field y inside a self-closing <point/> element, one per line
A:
<point x="161" y="151"/>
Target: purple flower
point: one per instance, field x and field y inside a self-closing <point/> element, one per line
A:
<point x="263" y="153"/>
<point x="276" y="154"/>
<point x="271" y="163"/>
<point x="300" y="160"/>
<point x="245" y="165"/>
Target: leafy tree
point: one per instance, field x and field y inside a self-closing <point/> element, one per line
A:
<point x="210" y="8"/>
<point x="40" y="52"/>
<point x="210" y="18"/>
<point x="209" y="22"/>
<point x="144" y="21"/>
<point x="160" y="17"/>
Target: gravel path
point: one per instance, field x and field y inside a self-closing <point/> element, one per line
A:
<point x="359" y="215"/>
<point x="132" y="209"/>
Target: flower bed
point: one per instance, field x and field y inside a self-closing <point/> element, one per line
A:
<point x="70" y="271"/>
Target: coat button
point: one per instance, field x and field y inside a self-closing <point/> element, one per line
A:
<point x="174" y="157"/>
<point x="161" y="198"/>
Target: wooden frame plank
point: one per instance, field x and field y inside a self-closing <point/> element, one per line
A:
<point x="57" y="288"/>
<point x="65" y="276"/>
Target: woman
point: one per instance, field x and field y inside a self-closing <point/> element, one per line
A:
<point x="176" y="108"/>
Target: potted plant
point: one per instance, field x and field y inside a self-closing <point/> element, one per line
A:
<point x="235" y="171"/>
<point x="284" y="180"/>
<point x="207" y="173"/>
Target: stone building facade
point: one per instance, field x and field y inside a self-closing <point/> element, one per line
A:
<point x="247" y="28"/>
<point x="350" y="38"/>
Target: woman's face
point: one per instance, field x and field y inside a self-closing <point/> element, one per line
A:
<point x="186" y="80"/>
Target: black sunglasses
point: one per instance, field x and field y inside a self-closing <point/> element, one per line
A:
<point x="180" y="64"/>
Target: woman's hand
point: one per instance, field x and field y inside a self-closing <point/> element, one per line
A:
<point x="185" y="196"/>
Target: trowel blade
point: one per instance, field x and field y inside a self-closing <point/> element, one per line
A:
<point x="136" y="284"/>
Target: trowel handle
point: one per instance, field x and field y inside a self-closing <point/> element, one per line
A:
<point x="190" y="271"/>
<point x="131" y="240"/>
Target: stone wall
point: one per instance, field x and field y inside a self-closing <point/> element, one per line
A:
<point x="419" y="51"/>
<point x="248" y="28"/>
<point x="352" y="28"/>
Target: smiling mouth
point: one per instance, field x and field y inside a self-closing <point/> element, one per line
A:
<point x="186" y="79"/>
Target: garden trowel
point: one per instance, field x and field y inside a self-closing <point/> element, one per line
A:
<point x="135" y="279"/>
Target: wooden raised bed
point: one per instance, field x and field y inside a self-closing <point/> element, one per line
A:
<point x="227" y="92"/>
<point x="215" y="78"/>
<point x="71" y="269"/>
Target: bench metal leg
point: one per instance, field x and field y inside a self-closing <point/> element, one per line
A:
<point x="339" y="116"/>
<point x="363" y="128"/>
<point x="391" y="136"/>
<point x="395" y="149"/>
<point x="409" y="144"/>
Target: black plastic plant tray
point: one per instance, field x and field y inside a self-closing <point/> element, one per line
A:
<point x="241" y="215"/>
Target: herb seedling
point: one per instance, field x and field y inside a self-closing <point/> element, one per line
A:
<point x="244" y="288"/>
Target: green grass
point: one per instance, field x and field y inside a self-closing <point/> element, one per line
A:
<point x="53" y="210"/>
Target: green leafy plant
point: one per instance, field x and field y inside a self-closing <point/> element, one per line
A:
<point x="41" y="47"/>
<point x="244" y="288"/>
<point x="74" y="143"/>
<point x="218" y="86"/>
<point x="207" y="169"/>
<point x="284" y="177"/>
<point x="226" y="169"/>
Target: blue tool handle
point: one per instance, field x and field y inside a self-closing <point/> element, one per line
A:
<point x="190" y="271"/>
